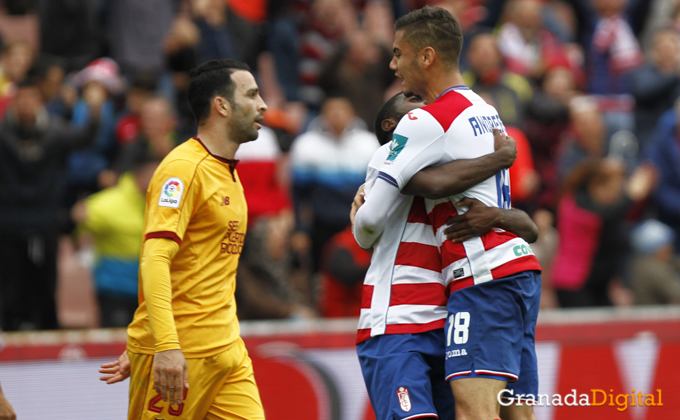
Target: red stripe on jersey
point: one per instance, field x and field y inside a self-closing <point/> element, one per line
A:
<point x="447" y="108"/>
<point x="418" y="214"/>
<point x="366" y="296"/>
<point x="461" y="284"/>
<point x="363" y="335"/>
<point x="452" y="252"/>
<point x="419" y="255"/>
<point x="418" y="294"/>
<point x="441" y="212"/>
<point x="493" y="239"/>
<point x="526" y="263"/>
<point x="164" y="234"/>
<point x="414" y="328"/>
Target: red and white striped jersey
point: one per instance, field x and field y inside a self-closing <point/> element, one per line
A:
<point x="404" y="291"/>
<point x="458" y="125"/>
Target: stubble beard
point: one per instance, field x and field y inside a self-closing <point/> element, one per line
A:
<point x="241" y="129"/>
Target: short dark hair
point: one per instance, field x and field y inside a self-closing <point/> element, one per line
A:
<point x="433" y="27"/>
<point x="210" y="79"/>
<point x="388" y="110"/>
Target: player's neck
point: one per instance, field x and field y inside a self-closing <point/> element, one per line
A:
<point x="438" y="83"/>
<point x="217" y="141"/>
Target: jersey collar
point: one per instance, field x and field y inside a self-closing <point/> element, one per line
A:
<point x="457" y="87"/>
<point x="231" y="162"/>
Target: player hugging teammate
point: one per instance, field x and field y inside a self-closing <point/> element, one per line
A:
<point x="462" y="309"/>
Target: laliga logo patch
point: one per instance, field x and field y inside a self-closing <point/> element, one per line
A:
<point x="171" y="193"/>
<point x="172" y="188"/>
<point x="404" y="399"/>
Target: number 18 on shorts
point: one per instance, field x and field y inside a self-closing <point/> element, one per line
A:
<point x="490" y="329"/>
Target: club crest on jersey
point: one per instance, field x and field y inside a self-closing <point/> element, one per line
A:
<point x="171" y="193"/>
<point x="404" y="399"/>
<point x="397" y="145"/>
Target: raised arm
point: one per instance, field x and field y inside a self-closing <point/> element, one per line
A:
<point x="459" y="175"/>
<point x="480" y="219"/>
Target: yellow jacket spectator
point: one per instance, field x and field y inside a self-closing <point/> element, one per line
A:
<point x="115" y="217"/>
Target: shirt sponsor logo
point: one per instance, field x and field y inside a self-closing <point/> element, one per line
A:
<point x="171" y="193"/>
<point x="404" y="399"/>
<point x="397" y="145"/>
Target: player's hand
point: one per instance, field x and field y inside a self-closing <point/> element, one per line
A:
<point x="116" y="371"/>
<point x="6" y="410"/>
<point x="505" y="148"/>
<point x="356" y="204"/>
<point x="478" y="220"/>
<point x="170" y="375"/>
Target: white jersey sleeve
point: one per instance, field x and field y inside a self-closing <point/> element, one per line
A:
<point x="418" y="141"/>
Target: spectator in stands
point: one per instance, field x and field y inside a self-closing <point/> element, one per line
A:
<point x="546" y="121"/>
<point x="15" y="61"/>
<point x="326" y="24"/>
<point x="114" y="218"/>
<point x="71" y="31"/>
<point x="263" y="171"/>
<point x="587" y="137"/>
<point x="33" y="148"/>
<point x="329" y="163"/>
<point x="656" y="85"/>
<point x="523" y="177"/>
<point x="216" y="37"/>
<point x="665" y="154"/>
<point x="137" y="30"/>
<point x="359" y="69"/>
<point x="50" y="77"/>
<point x="529" y="49"/>
<point x="129" y="124"/>
<point x="655" y="279"/>
<point x="87" y="169"/>
<point x="156" y="136"/>
<point x="343" y="268"/>
<point x="510" y="91"/>
<point x="590" y="219"/>
<point x="607" y="33"/>
<point x="6" y="410"/>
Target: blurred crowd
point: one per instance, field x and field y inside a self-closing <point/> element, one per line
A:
<point x="93" y="96"/>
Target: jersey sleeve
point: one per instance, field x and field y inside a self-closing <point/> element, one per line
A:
<point x="171" y="200"/>
<point x="417" y="142"/>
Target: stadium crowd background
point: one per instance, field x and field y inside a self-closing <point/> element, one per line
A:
<point x="587" y="88"/>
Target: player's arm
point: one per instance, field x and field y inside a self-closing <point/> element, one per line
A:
<point x="6" y="409"/>
<point x="460" y="175"/>
<point x="170" y="368"/>
<point x="371" y="217"/>
<point x="417" y="142"/>
<point x="480" y="219"/>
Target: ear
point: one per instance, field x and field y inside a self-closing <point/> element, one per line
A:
<point x="388" y="124"/>
<point x="222" y="106"/>
<point x="427" y="57"/>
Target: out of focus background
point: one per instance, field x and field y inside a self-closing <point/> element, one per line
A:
<point x="93" y="96"/>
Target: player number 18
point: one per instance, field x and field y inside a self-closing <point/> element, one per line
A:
<point x="458" y="327"/>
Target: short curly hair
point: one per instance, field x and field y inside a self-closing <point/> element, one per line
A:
<point x="433" y="27"/>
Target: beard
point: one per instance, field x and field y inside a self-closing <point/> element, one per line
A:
<point x="241" y="126"/>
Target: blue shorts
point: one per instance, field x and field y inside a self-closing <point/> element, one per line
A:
<point x="404" y="375"/>
<point x="490" y="331"/>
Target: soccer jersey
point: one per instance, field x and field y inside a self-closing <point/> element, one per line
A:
<point x="404" y="291"/>
<point x="196" y="200"/>
<point x="458" y="125"/>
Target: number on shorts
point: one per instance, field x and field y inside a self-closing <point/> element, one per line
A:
<point x="458" y="327"/>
